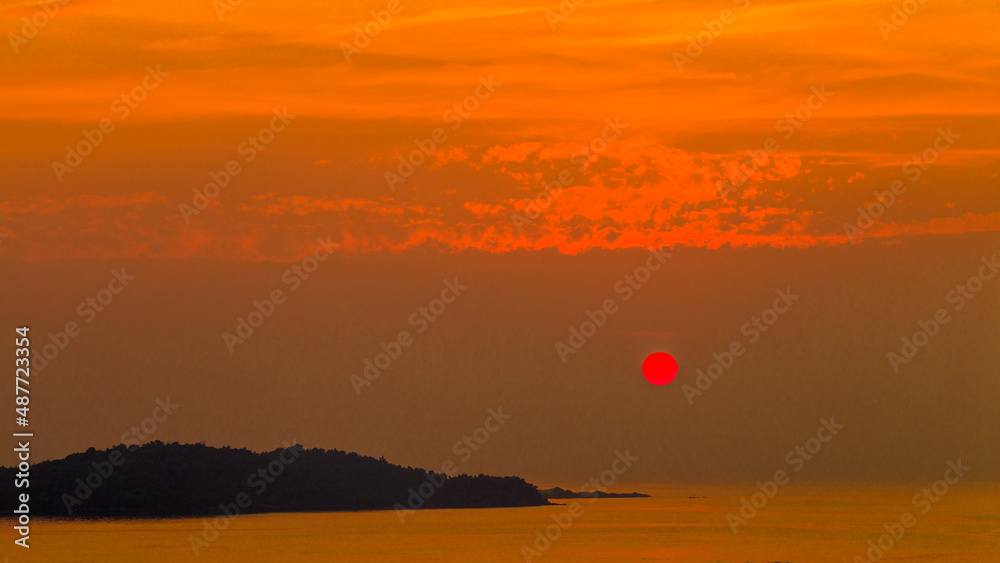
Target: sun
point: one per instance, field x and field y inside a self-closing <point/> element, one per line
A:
<point x="659" y="368"/>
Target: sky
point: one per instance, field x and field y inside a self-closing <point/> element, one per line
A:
<point x="539" y="151"/>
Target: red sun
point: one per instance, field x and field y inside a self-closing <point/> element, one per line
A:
<point x="659" y="368"/>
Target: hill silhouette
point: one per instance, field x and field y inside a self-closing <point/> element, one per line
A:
<point x="159" y="479"/>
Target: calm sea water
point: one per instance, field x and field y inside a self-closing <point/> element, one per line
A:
<point x="797" y="525"/>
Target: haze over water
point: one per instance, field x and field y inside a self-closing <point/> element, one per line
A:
<point x="800" y="524"/>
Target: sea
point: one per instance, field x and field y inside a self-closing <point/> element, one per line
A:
<point x="703" y="524"/>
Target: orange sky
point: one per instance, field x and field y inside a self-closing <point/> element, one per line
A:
<point x="627" y="151"/>
<point x="324" y="173"/>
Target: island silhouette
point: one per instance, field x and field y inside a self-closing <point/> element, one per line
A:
<point x="160" y="480"/>
<point x="561" y="493"/>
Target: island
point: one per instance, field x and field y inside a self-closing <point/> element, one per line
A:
<point x="560" y="493"/>
<point x="165" y="480"/>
